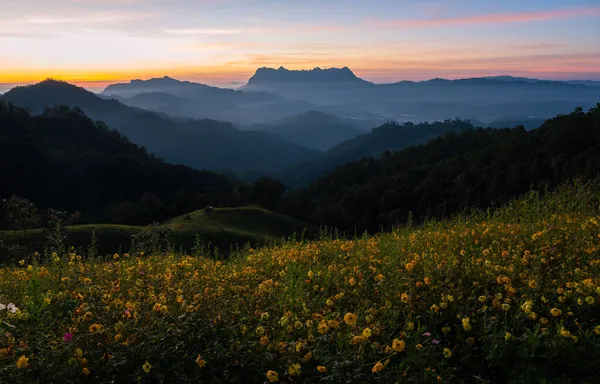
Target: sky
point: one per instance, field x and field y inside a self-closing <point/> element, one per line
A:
<point x="222" y="42"/>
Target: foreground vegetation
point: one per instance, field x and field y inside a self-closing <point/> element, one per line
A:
<point x="511" y="296"/>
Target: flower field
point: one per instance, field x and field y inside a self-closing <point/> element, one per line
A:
<point x="512" y="296"/>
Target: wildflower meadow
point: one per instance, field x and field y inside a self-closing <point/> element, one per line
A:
<point x="506" y="296"/>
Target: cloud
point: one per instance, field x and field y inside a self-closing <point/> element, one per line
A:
<point x="79" y="19"/>
<point x="212" y="31"/>
<point x="497" y="18"/>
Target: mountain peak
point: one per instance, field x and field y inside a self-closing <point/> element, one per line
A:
<point x="324" y="75"/>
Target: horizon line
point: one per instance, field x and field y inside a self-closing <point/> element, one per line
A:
<point x="6" y="86"/>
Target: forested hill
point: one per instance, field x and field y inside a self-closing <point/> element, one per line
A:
<point x="470" y="169"/>
<point x="64" y="160"/>
<point x="202" y="144"/>
<point x="387" y="137"/>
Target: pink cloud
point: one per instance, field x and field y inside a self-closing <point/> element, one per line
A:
<point x="494" y="18"/>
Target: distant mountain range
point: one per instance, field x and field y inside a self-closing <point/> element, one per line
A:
<point x="272" y="94"/>
<point x="200" y="144"/>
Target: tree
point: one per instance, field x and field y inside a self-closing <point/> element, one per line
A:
<point x="268" y="192"/>
<point x="21" y="213"/>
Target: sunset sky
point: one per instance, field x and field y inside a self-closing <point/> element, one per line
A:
<point x="220" y="42"/>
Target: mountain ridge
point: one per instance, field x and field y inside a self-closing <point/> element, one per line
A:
<point x="205" y="143"/>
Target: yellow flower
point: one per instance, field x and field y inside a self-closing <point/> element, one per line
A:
<point x="471" y="341"/>
<point x="357" y="340"/>
<point x="200" y="361"/>
<point x="86" y="371"/>
<point x="590" y="300"/>
<point x="508" y="336"/>
<point x="555" y="312"/>
<point x="435" y="308"/>
<point x="419" y="346"/>
<point x="88" y="316"/>
<point x="298" y="324"/>
<point x="466" y="324"/>
<point x="294" y="369"/>
<point x="398" y="345"/>
<point x="78" y="353"/>
<point x="367" y="332"/>
<point x="410" y="326"/>
<point x="482" y="299"/>
<point x="446" y="330"/>
<point x="350" y="318"/>
<point x="264" y="341"/>
<point x="505" y="307"/>
<point x="447" y="353"/>
<point x="597" y="330"/>
<point x="22" y="262"/>
<point x="322" y="328"/>
<point x="272" y="376"/>
<point x="565" y="333"/>
<point x="260" y="330"/>
<point x="308" y="356"/>
<point x="22" y="362"/>
<point x="96" y="328"/>
<point x="264" y="316"/>
<point x="377" y="367"/>
<point x="147" y="367"/>
<point x="321" y="369"/>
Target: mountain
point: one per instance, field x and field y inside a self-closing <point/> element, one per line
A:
<point x="198" y="101"/>
<point x="389" y="137"/>
<point x="197" y="143"/>
<point x="64" y="160"/>
<point x="512" y="121"/>
<point x="472" y="169"/>
<point x="315" y="129"/>
<point x="189" y="90"/>
<point x="485" y="99"/>
<point x="316" y="85"/>
<point x="317" y="75"/>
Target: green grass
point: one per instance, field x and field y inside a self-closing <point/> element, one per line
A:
<point x="223" y="228"/>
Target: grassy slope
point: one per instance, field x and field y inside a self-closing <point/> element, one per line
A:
<point x="509" y="297"/>
<point x="225" y="227"/>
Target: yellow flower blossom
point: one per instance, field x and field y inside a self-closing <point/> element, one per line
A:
<point x="377" y="367"/>
<point x="200" y="361"/>
<point x="398" y="345"/>
<point x="23" y="362"/>
<point x="294" y="369"/>
<point x="272" y="376"/>
<point x="556" y="312"/>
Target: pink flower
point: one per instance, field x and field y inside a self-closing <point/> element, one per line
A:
<point x="426" y="334"/>
<point x="67" y="337"/>
<point x="435" y="341"/>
